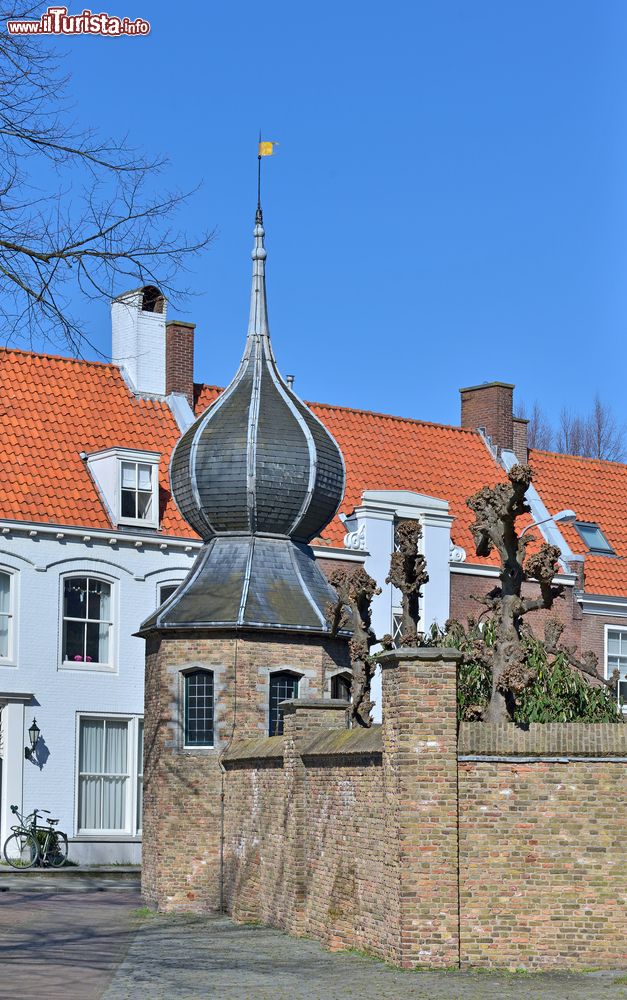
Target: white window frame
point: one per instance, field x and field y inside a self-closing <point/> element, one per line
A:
<point x="138" y="458"/>
<point x="10" y="660"/>
<point x="132" y="828"/>
<point x="79" y="665"/>
<point x="607" y="629"/>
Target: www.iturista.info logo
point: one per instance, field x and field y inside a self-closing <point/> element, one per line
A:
<point x="57" y="21"/>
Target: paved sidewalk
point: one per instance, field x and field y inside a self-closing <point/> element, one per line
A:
<point x="63" y="939"/>
<point x="186" y="958"/>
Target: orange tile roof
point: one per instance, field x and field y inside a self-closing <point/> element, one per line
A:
<point x="596" y="490"/>
<point x="52" y="409"/>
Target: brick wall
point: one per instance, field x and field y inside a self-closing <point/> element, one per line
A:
<point x="495" y="847"/>
<point x="183" y="787"/>
<point x="542" y="878"/>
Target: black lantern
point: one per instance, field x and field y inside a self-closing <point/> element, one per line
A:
<point x="34" y="732"/>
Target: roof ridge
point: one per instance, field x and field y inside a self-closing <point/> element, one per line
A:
<point x="579" y="458"/>
<point x="393" y="416"/>
<point x="57" y="357"/>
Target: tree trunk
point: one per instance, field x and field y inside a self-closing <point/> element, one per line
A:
<point x="497" y="710"/>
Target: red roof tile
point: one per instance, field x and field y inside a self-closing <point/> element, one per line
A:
<point x="52" y="409"/>
<point x="596" y="491"/>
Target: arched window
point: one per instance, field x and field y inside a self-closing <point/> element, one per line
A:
<point x="87" y="621"/>
<point x="6" y="615"/>
<point x="199" y="708"/>
<point x="283" y="685"/>
<point x="341" y="687"/>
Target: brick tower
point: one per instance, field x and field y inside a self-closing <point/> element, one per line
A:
<point x="257" y="476"/>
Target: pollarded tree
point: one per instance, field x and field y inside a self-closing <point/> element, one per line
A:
<point x="408" y="573"/>
<point x="496" y="511"/>
<point x="353" y="610"/>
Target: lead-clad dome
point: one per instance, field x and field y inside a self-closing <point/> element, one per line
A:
<point x="257" y="476"/>
<point x="258" y="461"/>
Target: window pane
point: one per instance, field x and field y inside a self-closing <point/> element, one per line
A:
<point x="166" y="592"/>
<point x="114" y="803"/>
<point x="89" y="804"/>
<point x="140" y="747"/>
<point x="74" y="641"/>
<point x="4" y="635"/>
<point x="129" y="504"/>
<point x="145" y="477"/>
<point x="140" y="774"/>
<point x="75" y="597"/>
<point x="129" y="475"/>
<point x="5" y="592"/>
<point x="99" y="600"/>
<point x="91" y="746"/>
<point x="116" y="740"/>
<point x="341" y="688"/>
<point x="144" y="505"/>
<point x="613" y="643"/>
<point x="199" y="709"/>
<point x="282" y="687"/>
<point x="97" y="643"/>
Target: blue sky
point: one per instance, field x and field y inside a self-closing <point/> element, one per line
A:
<point x="448" y="205"/>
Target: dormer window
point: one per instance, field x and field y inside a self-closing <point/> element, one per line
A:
<point x="128" y="483"/>
<point x="594" y="538"/>
<point x="137" y="491"/>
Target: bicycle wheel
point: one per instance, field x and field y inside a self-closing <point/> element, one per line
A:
<point x="57" y="852"/>
<point x="21" y="850"/>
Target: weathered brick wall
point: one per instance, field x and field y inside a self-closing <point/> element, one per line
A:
<point x="542" y="875"/>
<point x="306" y="845"/>
<point x="182" y="787"/>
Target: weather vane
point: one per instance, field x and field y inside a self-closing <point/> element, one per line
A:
<point x="264" y="148"/>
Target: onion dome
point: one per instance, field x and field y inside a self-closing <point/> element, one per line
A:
<point x="257" y="476"/>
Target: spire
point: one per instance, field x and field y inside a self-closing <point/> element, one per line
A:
<point x="258" y="321"/>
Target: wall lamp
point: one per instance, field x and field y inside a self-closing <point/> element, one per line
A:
<point x="34" y="732"/>
<point x="565" y="516"/>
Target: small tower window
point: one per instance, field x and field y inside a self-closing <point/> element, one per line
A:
<point x="341" y="687"/>
<point x="199" y="708"/>
<point x="282" y="687"/>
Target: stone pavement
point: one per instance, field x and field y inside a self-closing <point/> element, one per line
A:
<point x="62" y="939"/>
<point x="88" y="939"/>
<point x="186" y="957"/>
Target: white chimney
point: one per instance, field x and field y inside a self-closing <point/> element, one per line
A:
<point x="138" y="338"/>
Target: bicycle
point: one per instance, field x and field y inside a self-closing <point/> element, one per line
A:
<point x="30" y="845"/>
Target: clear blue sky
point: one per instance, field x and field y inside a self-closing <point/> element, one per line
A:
<point x="448" y="205"/>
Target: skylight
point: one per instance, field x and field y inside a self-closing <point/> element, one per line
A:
<point x="594" y="538"/>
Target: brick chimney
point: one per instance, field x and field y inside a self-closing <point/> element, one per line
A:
<point x="179" y="359"/>
<point x="490" y="406"/>
<point x="521" y="447"/>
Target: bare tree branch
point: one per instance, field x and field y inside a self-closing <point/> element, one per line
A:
<point x="110" y="222"/>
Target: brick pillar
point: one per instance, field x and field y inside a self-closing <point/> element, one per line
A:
<point x="179" y="359"/>
<point x="301" y="718"/>
<point x="490" y="406"/>
<point x="420" y="771"/>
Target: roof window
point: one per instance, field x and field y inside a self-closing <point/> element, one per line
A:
<point x="594" y="538"/>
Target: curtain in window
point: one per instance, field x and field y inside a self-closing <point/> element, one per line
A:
<point x="140" y="773"/>
<point x="5" y="612"/>
<point x="103" y="774"/>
